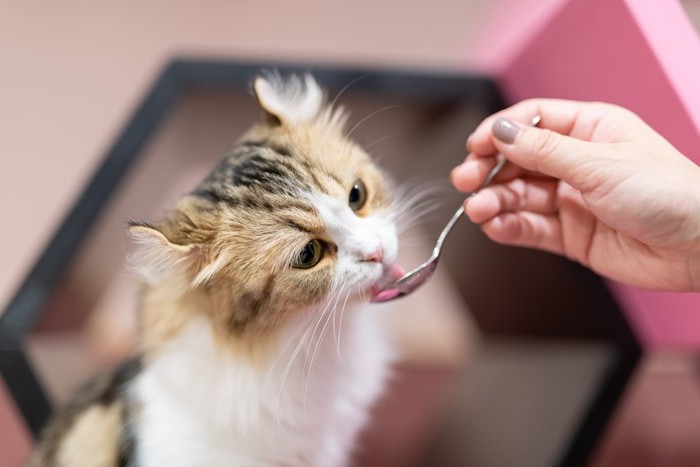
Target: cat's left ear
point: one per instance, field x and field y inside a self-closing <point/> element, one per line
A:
<point x="156" y="257"/>
<point x="289" y="101"/>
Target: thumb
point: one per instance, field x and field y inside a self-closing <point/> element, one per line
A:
<point x="543" y="150"/>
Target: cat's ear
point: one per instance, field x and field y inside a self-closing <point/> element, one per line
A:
<point x="156" y="257"/>
<point x="291" y="101"/>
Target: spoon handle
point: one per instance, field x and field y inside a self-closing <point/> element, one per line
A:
<point x="487" y="181"/>
<point x="446" y="230"/>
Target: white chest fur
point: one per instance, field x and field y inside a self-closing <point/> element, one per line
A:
<point x="200" y="406"/>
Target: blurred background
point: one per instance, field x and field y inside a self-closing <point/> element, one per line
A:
<point x="71" y="73"/>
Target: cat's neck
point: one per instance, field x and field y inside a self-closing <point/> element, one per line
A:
<point x="168" y="309"/>
<point x="312" y="367"/>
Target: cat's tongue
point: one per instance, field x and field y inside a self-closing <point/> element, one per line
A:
<point x="392" y="274"/>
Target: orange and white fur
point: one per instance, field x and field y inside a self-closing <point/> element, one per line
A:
<point x="256" y="346"/>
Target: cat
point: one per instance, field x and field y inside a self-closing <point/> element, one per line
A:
<point x="255" y="346"/>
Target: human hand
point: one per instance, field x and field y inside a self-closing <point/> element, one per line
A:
<point x="593" y="183"/>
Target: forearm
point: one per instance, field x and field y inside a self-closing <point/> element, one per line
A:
<point x="694" y="267"/>
<point x="694" y="256"/>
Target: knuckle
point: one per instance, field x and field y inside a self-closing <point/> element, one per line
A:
<point x="613" y="110"/>
<point x="544" y="145"/>
<point x="531" y="106"/>
<point x="531" y="103"/>
<point x="600" y="105"/>
<point x="519" y="190"/>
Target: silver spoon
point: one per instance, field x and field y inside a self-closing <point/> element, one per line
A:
<point x="414" y="279"/>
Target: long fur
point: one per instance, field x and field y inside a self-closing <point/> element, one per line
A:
<point x="248" y="358"/>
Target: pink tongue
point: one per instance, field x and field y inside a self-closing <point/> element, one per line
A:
<point x="394" y="273"/>
<point x="385" y="295"/>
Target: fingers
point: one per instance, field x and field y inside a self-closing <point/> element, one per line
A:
<point x="468" y="176"/>
<point x="575" y="119"/>
<point x="526" y="229"/>
<point x="522" y="212"/>
<point x="547" y="150"/>
<point x="538" y="196"/>
<point x="581" y="164"/>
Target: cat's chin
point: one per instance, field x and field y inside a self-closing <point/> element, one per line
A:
<point x="391" y="274"/>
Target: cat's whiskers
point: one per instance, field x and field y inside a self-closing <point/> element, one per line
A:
<point x="336" y="335"/>
<point x="414" y="217"/>
<point x="413" y="194"/>
<point x="289" y="364"/>
<point x="283" y="349"/>
<point x="347" y="86"/>
<point x="411" y="242"/>
<point x="340" y="325"/>
<point x="383" y="109"/>
<point x="407" y="198"/>
<point x="335" y="331"/>
<point x="328" y="319"/>
<point x="412" y="204"/>
<point x="417" y="205"/>
<point x="316" y="319"/>
<point x="425" y="214"/>
<point x="383" y="138"/>
<point x="335" y="294"/>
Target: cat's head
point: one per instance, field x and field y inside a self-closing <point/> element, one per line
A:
<point x="296" y="215"/>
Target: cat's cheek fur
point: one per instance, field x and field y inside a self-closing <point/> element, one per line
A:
<point x="359" y="238"/>
<point x="244" y="359"/>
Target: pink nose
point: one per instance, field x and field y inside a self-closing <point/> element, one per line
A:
<point x="376" y="256"/>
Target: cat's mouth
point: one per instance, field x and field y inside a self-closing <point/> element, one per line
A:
<point x="391" y="274"/>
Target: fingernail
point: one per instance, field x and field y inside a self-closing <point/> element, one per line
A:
<point x="469" y="143"/>
<point x="505" y="130"/>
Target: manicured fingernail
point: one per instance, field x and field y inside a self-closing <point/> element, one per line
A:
<point x="505" y="130"/>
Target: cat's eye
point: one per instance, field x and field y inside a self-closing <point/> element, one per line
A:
<point x="358" y="196"/>
<point x="310" y="255"/>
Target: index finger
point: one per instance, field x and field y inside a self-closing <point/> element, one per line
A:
<point x="468" y="176"/>
<point x="572" y="118"/>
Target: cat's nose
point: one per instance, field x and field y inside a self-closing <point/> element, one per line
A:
<point x="377" y="255"/>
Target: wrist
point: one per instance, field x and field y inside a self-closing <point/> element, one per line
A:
<point x="694" y="267"/>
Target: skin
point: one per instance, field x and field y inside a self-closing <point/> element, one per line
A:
<point x="593" y="183"/>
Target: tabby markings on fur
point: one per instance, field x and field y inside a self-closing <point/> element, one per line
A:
<point x="256" y="348"/>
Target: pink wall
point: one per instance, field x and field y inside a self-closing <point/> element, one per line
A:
<point x="638" y="54"/>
